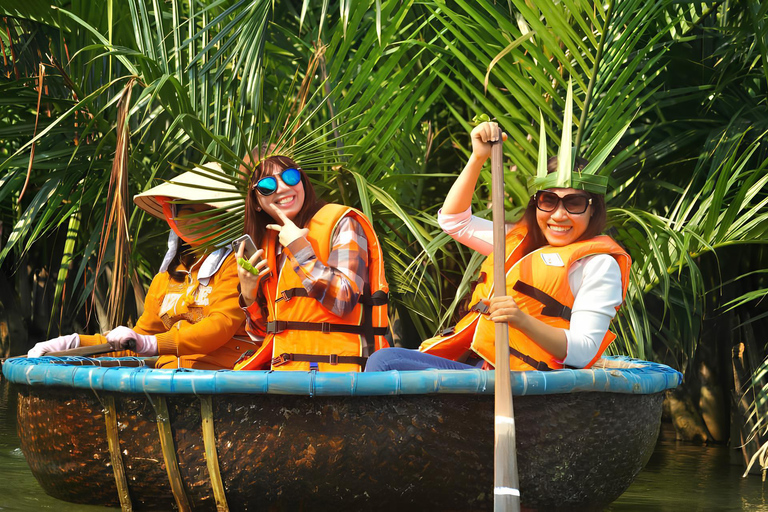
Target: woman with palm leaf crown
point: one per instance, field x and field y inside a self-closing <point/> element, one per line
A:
<point x="191" y="316"/>
<point x="315" y="291"/>
<point x="565" y="280"/>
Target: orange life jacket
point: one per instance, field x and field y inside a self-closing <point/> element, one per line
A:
<point x="301" y="334"/>
<point x="538" y="282"/>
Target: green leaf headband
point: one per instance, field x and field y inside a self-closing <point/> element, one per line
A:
<point x="588" y="178"/>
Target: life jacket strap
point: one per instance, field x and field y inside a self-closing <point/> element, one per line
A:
<point x="552" y="307"/>
<point x="279" y="326"/>
<point x="537" y="365"/>
<point x="369" y="340"/>
<point x="287" y="295"/>
<point x="315" y="358"/>
<point x="368" y="301"/>
<point x="378" y="298"/>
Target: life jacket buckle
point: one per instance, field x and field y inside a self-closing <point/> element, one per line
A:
<point x="333" y="359"/>
<point x="283" y="296"/>
<point x="480" y="307"/>
<point x="448" y="331"/>
<point x="276" y="326"/>
<point x="245" y="355"/>
<point x="282" y="359"/>
<point x="325" y="327"/>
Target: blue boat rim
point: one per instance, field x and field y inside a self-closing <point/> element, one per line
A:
<point x="629" y="376"/>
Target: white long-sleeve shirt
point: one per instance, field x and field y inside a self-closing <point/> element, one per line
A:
<point x="595" y="282"/>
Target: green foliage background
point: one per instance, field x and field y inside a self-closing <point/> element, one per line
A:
<point x="391" y="85"/>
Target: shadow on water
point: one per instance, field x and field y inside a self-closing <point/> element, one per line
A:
<point x="678" y="477"/>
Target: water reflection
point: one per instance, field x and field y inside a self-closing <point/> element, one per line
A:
<point x="679" y="477"/>
<point x="684" y="477"/>
<point x="20" y="490"/>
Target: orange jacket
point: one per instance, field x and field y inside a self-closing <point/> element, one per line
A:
<point x="538" y="282"/>
<point x="303" y="335"/>
<point x="205" y="334"/>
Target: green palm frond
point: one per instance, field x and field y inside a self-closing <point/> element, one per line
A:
<point x="723" y="205"/>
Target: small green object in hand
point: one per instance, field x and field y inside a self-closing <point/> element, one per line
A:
<point x="480" y="118"/>
<point x="247" y="266"/>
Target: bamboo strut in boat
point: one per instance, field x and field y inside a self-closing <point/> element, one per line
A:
<point x="169" y="453"/>
<point x="110" y="418"/>
<point x="211" y="455"/>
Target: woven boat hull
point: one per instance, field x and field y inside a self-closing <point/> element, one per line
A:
<point x="288" y="452"/>
<point x="354" y="453"/>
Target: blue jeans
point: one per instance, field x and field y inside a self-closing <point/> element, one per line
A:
<point x="404" y="359"/>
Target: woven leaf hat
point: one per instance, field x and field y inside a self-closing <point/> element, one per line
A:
<point x="200" y="185"/>
<point x="586" y="179"/>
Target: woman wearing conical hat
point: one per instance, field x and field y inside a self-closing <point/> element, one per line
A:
<point x="565" y="281"/>
<point x="191" y="318"/>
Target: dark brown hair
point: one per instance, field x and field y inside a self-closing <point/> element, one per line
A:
<point x="256" y="220"/>
<point x="596" y="222"/>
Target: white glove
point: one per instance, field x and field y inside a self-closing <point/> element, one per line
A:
<point x="123" y="338"/>
<point x="55" y="345"/>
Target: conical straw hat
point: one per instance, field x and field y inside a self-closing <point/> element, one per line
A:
<point x="196" y="185"/>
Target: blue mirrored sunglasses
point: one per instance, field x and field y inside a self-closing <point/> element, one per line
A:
<point x="267" y="185"/>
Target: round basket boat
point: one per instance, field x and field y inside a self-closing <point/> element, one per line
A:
<point x="96" y="432"/>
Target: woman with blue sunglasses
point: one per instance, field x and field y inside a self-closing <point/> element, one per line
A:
<point x="565" y="281"/>
<point x="315" y="293"/>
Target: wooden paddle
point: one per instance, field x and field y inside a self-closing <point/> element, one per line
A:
<point x="506" y="493"/>
<point x="87" y="351"/>
<point x="90" y="350"/>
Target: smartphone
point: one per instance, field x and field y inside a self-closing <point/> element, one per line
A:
<point x="250" y="247"/>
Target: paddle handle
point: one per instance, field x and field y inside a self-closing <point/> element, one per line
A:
<point x="90" y="350"/>
<point x="506" y="493"/>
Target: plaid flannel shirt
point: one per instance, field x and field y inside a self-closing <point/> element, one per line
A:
<point x="337" y="285"/>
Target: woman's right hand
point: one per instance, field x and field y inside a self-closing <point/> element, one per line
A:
<point x="482" y="136"/>
<point x="249" y="281"/>
<point x="59" y="344"/>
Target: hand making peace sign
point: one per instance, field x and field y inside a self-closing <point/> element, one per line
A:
<point x="288" y="232"/>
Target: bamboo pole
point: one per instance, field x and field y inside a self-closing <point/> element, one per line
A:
<point x="506" y="493"/>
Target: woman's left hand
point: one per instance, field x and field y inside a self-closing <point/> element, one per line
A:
<point x="504" y="309"/>
<point x="125" y="338"/>
<point x="288" y="232"/>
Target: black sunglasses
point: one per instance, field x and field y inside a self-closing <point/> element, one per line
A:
<point x="573" y="203"/>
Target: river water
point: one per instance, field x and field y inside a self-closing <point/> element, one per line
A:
<point x="679" y="477"/>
